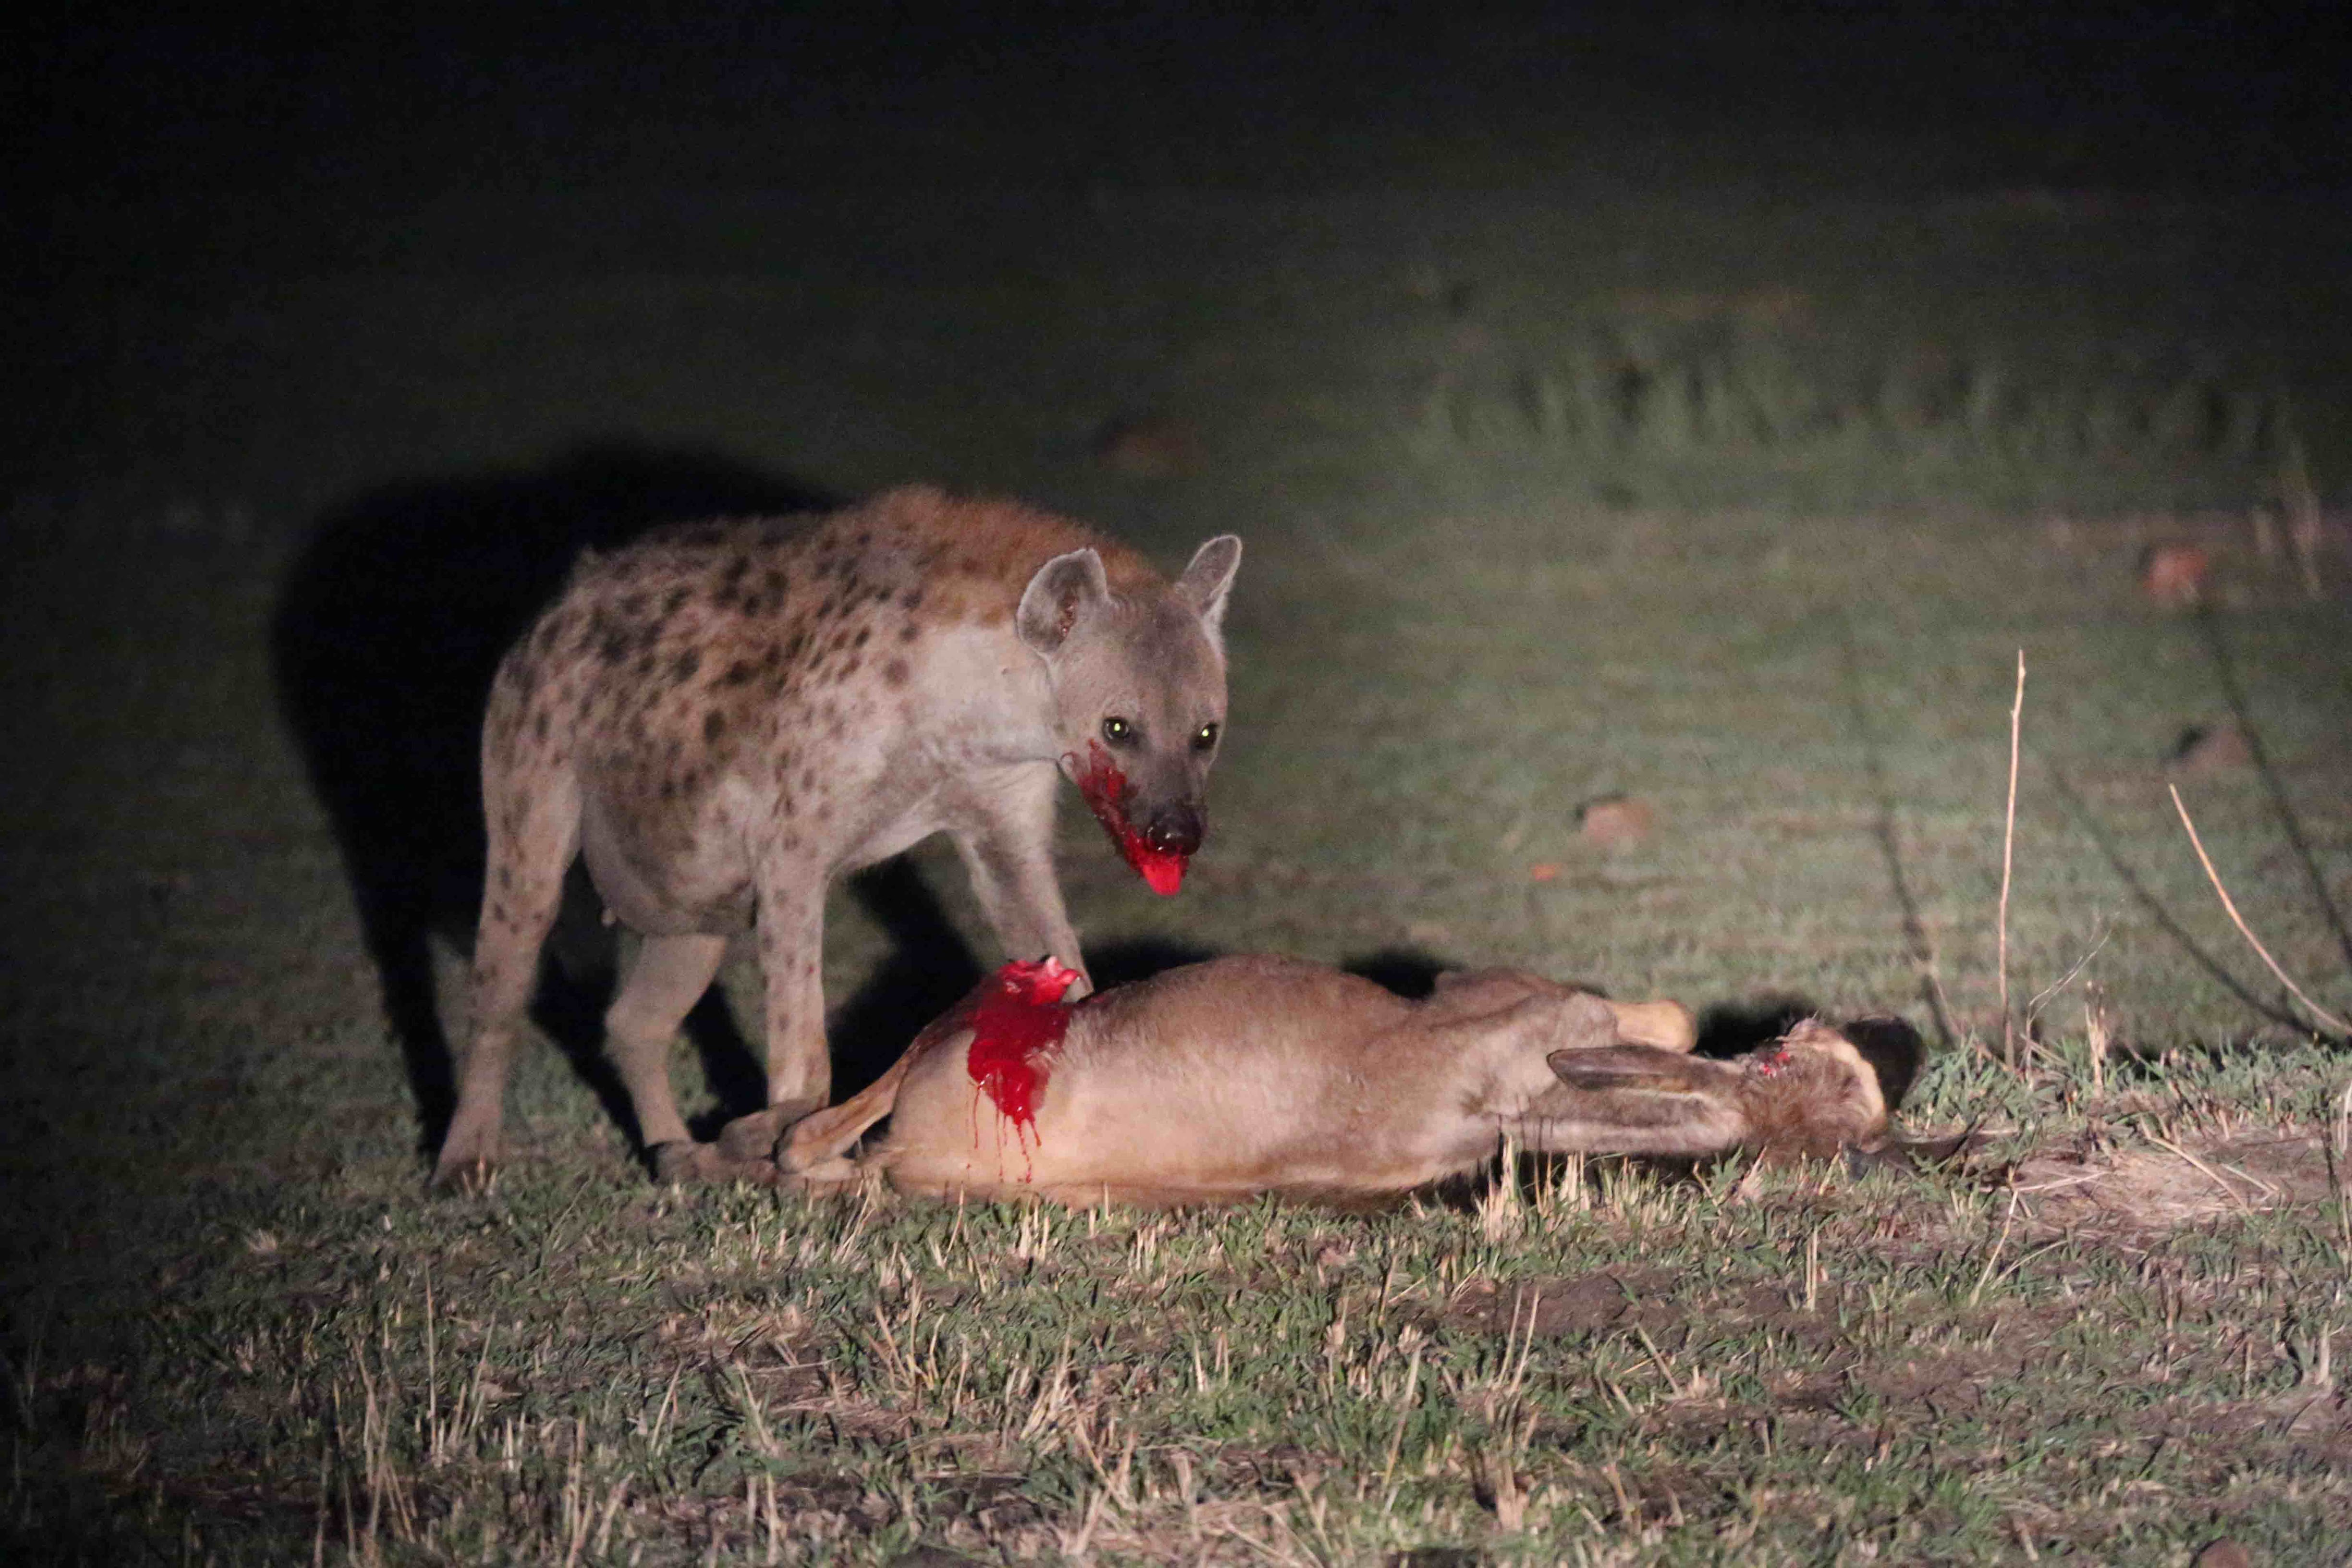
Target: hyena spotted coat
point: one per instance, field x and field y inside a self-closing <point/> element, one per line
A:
<point x="722" y="719"/>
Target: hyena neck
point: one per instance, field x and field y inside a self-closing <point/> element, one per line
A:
<point x="995" y="696"/>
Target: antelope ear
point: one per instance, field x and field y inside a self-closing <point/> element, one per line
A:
<point x="1639" y="1068"/>
<point x="1062" y="593"/>
<point x="1208" y="579"/>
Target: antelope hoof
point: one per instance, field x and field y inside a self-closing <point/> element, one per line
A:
<point x="682" y="1162"/>
<point x="836" y="1174"/>
<point x="759" y="1135"/>
<point x="1666" y="1025"/>
<point x="754" y="1137"/>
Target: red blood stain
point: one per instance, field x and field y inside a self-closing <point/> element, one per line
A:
<point x="1014" y="1031"/>
<point x="1107" y="790"/>
<point x="1771" y="1061"/>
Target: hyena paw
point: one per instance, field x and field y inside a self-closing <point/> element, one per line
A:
<point x="462" y="1176"/>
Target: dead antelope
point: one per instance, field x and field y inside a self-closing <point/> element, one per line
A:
<point x="1248" y="1075"/>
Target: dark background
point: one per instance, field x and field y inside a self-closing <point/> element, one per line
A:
<point x="171" y="158"/>
<point x="302" y="103"/>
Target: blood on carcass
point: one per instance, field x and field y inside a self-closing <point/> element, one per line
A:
<point x="1014" y="1032"/>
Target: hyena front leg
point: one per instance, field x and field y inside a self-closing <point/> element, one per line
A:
<point x="1005" y="838"/>
<point x="665" y="976"/>
<point x="533" y="835"/>
<point x="790" y="925"/>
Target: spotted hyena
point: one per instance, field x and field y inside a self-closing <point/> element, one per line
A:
<point x="725" y="717"/>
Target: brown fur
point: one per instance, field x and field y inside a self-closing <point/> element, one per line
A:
<point x="1812" y="1094"/>
<point x="1249" y="1075"/>
<point x="726" y="716"/>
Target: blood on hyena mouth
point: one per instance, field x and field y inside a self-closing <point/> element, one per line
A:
<point x="1106" y="792"/>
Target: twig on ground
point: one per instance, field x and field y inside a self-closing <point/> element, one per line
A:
<point x="2316" y="1010"/>
<point x="1994" y="1257"/>
<point x="2033" y="1008"/>
<point x="2215" y="1177"/>
<point x="2008" y="848"/>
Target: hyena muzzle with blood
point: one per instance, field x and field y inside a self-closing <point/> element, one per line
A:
<point x="725" y="717"/>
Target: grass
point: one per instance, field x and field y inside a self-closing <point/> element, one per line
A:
<point x="1742" y="514"/>
<point x="238" y="1333"/>
<point x="1604" y="1365"/>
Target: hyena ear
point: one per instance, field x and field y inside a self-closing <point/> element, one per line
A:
<point x="1206" y="581"/>
<point x="1064" y="590"/>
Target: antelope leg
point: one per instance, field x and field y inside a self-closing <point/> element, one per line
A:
<point x="1668" y="1026"/>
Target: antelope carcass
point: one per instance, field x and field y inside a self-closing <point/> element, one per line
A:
<point x="1246" y="1075"/>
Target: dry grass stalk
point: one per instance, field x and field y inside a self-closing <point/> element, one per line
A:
<point x="1993" y="1258"/>
<point x="1396" y="1438"/>
<point x="1503" y="1486"/>
<point x="2302" y="503"/>
<point x="2033" y="1008"/>
<point x="1502" y="1211"/>
<point x="2098" y="1035"/>
<point x="2008" y="848"/>
<point x="2314" y="1008"/>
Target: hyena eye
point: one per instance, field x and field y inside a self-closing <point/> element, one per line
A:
<point x="1204" y="737"/>
<point x="1117" y="731"/>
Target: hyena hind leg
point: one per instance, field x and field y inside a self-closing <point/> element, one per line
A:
<point x="531" y="842"/>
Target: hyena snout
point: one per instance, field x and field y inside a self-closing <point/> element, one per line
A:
<point x="1176" y="829"/>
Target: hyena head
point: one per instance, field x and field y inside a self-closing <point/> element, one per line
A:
<point x="1138" y="686"/>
